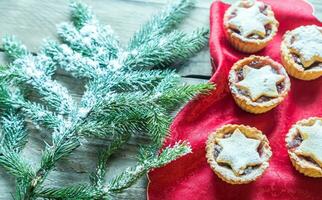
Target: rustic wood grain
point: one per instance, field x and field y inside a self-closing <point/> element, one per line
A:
<point x="33" y="20"/>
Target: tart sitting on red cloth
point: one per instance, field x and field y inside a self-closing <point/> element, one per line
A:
<point x="238" y="154"/>
<point x="250" y="25"/>
<point x="258" y="84"/>
<point x="304" y="144"/>
<point x="302" y="52"/>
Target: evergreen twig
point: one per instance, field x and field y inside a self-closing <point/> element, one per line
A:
<point x="124" y="96"/>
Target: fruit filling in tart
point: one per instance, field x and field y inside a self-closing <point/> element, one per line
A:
<point x="304" y="143"/>
<point x="251" y="19"/>
<point x="237" y="153"/>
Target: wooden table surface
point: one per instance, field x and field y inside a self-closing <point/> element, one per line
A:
<point x="33" y="20"/>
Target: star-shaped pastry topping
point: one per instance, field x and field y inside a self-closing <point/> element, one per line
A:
<point x="239" y="152"/>
<point x="250" y="20"/>
<point x="311" y="145"/>
<point x="307" y="44"/>
<point x="260" y="82"/>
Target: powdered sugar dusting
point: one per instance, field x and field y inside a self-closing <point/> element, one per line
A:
<point x="307" y="44"/>
<point x="249" y="20"/>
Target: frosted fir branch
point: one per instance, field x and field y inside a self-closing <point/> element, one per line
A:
<point x="74" y="192"/>
<point x="137" y="110"/>
<point x="81" y="14"/>
<point x="143" y="80"/>
<point x="104" y="44"/>
<point x="118" y="100"/>
<point x="161" y="23"/>
<point x="131" y="175"/>
<point x="97" y="177"/>
<point x="14" y="133"/>
<point x="14" y="48"/>
<point x="141" y="109"/>
<point x="123" y="81"/>
<point x="73" y="62"/>
<point x="158" y="123"/>
<point x="63" y="145"/>
<point x="26" y="71"/>
<point x="18" y="51"/>
<point x="5" y="96"/>
<point x="11" y="98"/>
<point x="178" y="95"/>
<point x="39" y="114"/>
<point x="114" y="115"/>
<point x="99" y="127"/>
<point x="15" y="164"/>
<point x="36" y="71"/>
<point x="168" y="49"/>
<point x="13" y="140"/>
<point x="92" y="40"/>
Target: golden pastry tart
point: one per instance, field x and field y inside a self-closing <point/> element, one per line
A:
<point x="238" y="154"/>
<point x="301" y="51"/>
<point x="258" y="84"/>
<point x="250" y="25"/>
<point x="304" y="146"/>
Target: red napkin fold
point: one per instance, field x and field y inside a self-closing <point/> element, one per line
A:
<point x="190" y="177"/>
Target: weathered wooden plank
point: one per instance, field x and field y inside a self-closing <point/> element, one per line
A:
<point x="34" y="20"/>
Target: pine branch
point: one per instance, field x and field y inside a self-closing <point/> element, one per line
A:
<point x="123" y="81"/>
<point x="167" y="49"/>
<point x="5" y="95"/>
<point x="14" y="133"/>
<point x="15" y="164"/>
<point x="18" y="52"/>
<point x="98" y="176"/>
<point x="36" y="71"/>
<point x="122" y="98"/>
<point x="180" y="94"/>
<point x="104" y="45"/>
<point x="64" y="144"/>
<point x="76" y="192"/>
<point x="92" y="40"/>
<point x="28" y="71"/>
<point x="115" y="114"/>
<point x="157" y="125"/>
<point x="131" y="175"/>
<point x="73" y="62"/>
<point x="11" y="98"/>
<point x="161" y="23"/>
<point x="14" y="48"/>
<point x="39" y="114"/>
<point x="81" y="14"/>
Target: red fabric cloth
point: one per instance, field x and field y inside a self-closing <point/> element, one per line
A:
<point x="190" y="177"/>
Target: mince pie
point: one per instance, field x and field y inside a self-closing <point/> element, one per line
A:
<point x="258" y="84"/>
<point x="238" y="154"/>
<point x="250" y="25"/>
<point x="302" y="52"/>
<point x="304" y="145"/>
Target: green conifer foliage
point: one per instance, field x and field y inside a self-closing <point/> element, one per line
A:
<point x="129" y="90"/>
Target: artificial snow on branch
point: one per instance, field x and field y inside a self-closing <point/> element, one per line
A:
<point x="129" y="91"/>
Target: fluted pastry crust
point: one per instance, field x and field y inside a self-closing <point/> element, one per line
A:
<point x="245" y="102"/>
<point x="227" y="174"/>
